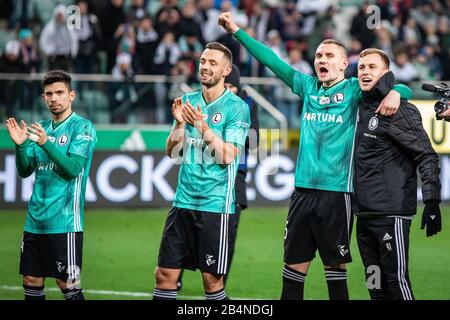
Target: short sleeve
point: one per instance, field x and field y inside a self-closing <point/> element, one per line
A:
<point x="356" y="89"/>
<point x="84" y="140"/>
<point x="304" y="83"/>
<point x="237" y="126"/>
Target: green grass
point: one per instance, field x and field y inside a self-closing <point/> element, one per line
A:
<point x="121" y="250"/>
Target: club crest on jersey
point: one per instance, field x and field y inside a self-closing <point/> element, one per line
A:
<point x="338" y="97"/>
<point x="324" y="100"/>
<point x="373" y="123"/>
<point x="216" y="118"/>
<point x="62" y="140"/>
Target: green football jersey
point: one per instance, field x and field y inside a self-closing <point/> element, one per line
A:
<point x="57" y="204"/>
<point x="204" y="184"/>
<point x="327" y="133"/>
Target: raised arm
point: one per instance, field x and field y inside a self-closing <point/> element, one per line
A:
<point x="261" y="52"/>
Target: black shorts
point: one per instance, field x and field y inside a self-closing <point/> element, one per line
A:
<point x="318" y="220"/>
<point x="56" y="256"/>
<point x="197" y="240"/>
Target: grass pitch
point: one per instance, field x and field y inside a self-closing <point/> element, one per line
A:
<point x="121" y="251"/>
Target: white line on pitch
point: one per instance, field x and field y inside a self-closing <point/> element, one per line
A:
<point x="117" y="293"/>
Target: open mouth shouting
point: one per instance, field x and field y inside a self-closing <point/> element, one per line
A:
<point x="323" y="72"/>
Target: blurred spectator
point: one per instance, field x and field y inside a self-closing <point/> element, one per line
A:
<point x="127" y="42"/>
<point x="395" y="27"/>
<point x="168" y="19"/>
<point x="359" y="28"/>
<point x="58" y="42"/>
<point x="211" y="30"/>
<point x="292" y="21"/>
<point x="10" y="89"/>
<point x="6" y="13"/>
<point x="249" y="66"/>
<point x="167" y="54"/>
<point x="430" y="36"/>
<point x="123" y="92"/>
<point x="189" y="23"/>
<point x="444" y="43"/>
<point x="411" y="33"/>
<point x="10" y="60"/>
<point x="289" y="103"/>
<point x="146" y="42"/>
<point x="205" y="15"/>
<point x="309" y="10"/>
<point x="88" y="37"/>
<point x="112" y="22"/>
<point x="353" y="58"/>
<point x="29" y="54"/>
<point x="181" y="73"/>
<point x="404" y="71"/>
<point x="433" y="62"/>
<point x="422" y="66"/>
<point x="136" y="12"/>
<point x="384" y="41"/>
<point x="275" y="43"/>
<point x="259" y="21"/>
<point x="424" y="14"/>
<point x="190" y="46"/>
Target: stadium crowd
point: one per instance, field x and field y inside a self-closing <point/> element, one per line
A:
<point x="124" y="38"/>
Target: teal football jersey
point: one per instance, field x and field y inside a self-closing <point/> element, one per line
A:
<point x="57" y="204"/>
<point x="327" y="133"/>
<point x="204" y="184"/>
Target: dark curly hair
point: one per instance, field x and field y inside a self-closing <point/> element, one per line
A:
<point x="57" y="76"/>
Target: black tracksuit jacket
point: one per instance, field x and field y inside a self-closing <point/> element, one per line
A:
<point x="388" y="152"/>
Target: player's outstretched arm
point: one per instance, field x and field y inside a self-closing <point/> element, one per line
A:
<point x="261" y="52"/>
<point x="174" y="142"/>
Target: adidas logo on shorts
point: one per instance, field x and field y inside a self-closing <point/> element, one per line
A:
<point x="387" y="237"/>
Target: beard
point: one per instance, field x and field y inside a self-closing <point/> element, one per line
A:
<point x="211" y="81"/>
<point x="58" y="110"/>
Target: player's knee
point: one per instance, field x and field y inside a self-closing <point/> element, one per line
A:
<point x="212" y="282"/>
<point x="164" y="277"/>
<point x="33" y="281"/>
